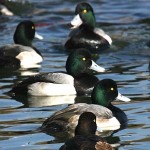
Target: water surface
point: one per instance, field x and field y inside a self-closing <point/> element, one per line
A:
<point x="127" y="62"/>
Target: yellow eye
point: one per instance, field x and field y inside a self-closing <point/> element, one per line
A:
<point x="33" y="27"/>
<point x="84" y="59"/>
<point x="94" y="120"/>
<point x="84" y="11"/>
<point x="112" y="89"/>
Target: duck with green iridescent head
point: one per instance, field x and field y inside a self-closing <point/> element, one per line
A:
<point x="85" y="33"/>
<point x="21" y="53"/>
<point x="109" y="117"/>
<point x="78" y="80"/>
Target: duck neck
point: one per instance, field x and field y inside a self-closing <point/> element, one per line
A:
<point x="85" y="129"/>
<point x="118" y="113"/>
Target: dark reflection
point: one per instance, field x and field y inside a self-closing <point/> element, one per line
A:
<point x="9" y="71"/>
<point x="145" y="21"/>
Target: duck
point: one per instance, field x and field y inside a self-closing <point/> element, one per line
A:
<point x="77" y="80"/>
<point x="85" y="33"/>
<point x="109" y="117"/>
<point x="4" y="10"/>
<point x="85" y="137"/>
<point x="21" y="53"/>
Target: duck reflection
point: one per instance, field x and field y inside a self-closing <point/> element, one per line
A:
<point x="42" y="101"/>
<point x="9" y="72"/>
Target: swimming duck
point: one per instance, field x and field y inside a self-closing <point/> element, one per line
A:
<point x="85" y="34"/>
<point x="85" y="137"/>
<point x="22" y="53"/>
<point x="77" y="79"/>
<point x="4" y="10"/>
<point x="108" y="116"/>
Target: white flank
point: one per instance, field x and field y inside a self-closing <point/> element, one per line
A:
<point x="103" y="34"/>
<point x="51" y="89"/>
<point x="108" y="124"/>
<point x="76" y="22"/>
<point x="29" y="58"/>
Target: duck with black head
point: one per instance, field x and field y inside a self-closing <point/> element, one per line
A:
<point x="85" y="138"/>
<point x="22" y="53"/>
<point x="85" y="33"/>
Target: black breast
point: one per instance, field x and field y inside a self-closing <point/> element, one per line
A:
<point x="87" y="39"/>
<point x="85" y="83"/>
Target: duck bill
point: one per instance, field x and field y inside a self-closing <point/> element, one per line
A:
<point x="76" y="22"/>
<point x="123" y="98"/>
<point x="96" y="67"/>
<point x="38" y="36"/>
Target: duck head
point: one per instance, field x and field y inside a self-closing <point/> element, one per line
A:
<point x="84" y="15"/>
<point x="80" y="61"/>
<point x="105" y="92"/>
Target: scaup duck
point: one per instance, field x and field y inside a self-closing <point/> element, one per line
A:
<point x="4" y="10"/>
<point x="108" y="116"/>
<point x="77" y="79"/>
<point x="85" y="137"/>
<point x="22" y="53"/>
<point x="85" y="34"/>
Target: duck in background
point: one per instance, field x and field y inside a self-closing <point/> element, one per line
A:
<point x="108" y="116"/>
<point x="85" y="138"/>
<point x="22" y="53"/>
<point x="4" y="10"/>
<point x="15" y="7"/>
<point x="85" y="33"/>
<point x="77" y="80"/>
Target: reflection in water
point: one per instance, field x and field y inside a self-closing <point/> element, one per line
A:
<point x="41" y="101"/>
<point x="10" y="72"/>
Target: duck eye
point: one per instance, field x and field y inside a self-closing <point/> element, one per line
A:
<point x="112" y="89"/>
<point x="84" y="11"/>
<point x="94" y="120"/>
<point x="84" y="59"/>
<point x="33" y="27"/>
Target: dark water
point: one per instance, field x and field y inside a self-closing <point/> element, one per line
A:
<point x="127" y="62"/>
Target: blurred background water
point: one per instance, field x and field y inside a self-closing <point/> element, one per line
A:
<point x="127" y="62"/>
